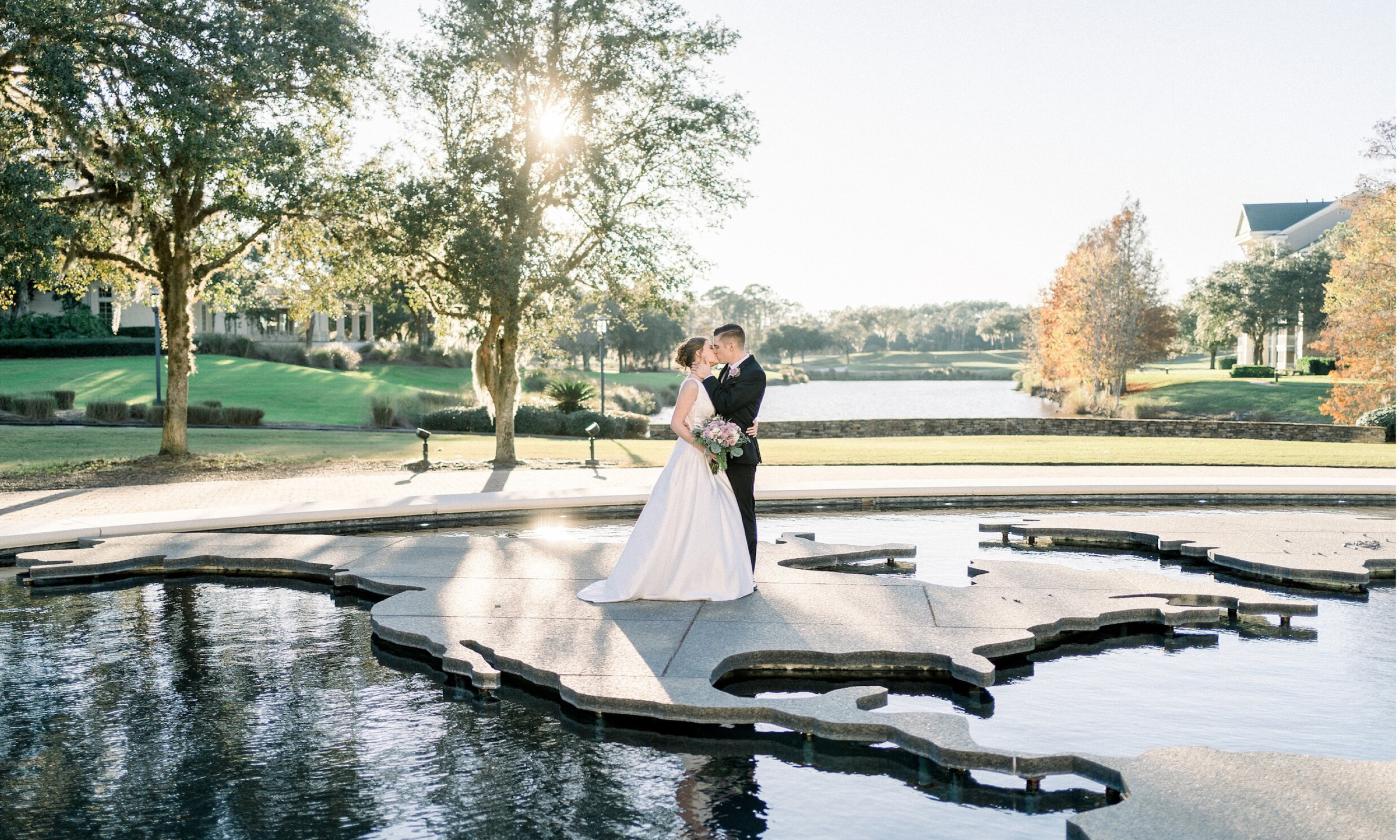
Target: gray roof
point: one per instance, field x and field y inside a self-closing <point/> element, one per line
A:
<point x="1275" y="217"/>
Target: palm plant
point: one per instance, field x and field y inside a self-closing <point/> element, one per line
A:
<point x="569" y="394"/>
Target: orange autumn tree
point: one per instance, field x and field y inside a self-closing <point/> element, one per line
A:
<point x="1360" y="307"/>
<point x="1102" y="315"/>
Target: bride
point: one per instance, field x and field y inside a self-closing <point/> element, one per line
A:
<point x="688" y="544"/>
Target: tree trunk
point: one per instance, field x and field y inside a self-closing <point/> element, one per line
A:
<point x="1258" y="348"/>
<point x="175" y="316"/>
<point x="496" y="358"/>
<point x="1212" y="358"/>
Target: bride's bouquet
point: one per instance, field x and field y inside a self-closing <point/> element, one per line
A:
<point x="723" y="440"/>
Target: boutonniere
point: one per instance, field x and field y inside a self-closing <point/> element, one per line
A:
<point x="732" y="371"/>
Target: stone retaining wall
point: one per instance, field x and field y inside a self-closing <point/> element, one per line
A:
<point x="1096" y="426"/>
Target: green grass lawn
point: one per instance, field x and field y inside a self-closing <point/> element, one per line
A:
<point x="1189" y="388"/>
<point x="288" y="393"/>
<point x="28" y="450"/>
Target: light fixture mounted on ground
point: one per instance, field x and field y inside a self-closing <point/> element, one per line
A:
<point x="592" y="429"/>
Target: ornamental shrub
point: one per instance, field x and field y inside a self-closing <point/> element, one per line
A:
<point x="65" y="399"/>
<point x="532" y="420"/>
<point x="535" y="381"/>
<point x="203" y="415"/>
<point x="75" y="323"/>
<point x="1225" y="362"/>
<point x="381" y="412"/>
<point x="569" y="395"/>
<point x="285" y="354"/>
<point x="225" y="344"/>
<point x="634" y="400"/>
<point x="7" y="402"/>
<point x="107" y="411"/>
<point x="1383" y="417"/>
<point x="1251" y="371"/>
<point x="236" y="415"/>
<point x="35" y="406"/>
<point x="458" y="419"/>
<point x="1315" y="365"/>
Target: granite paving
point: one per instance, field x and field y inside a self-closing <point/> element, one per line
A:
<point x="1316" y="550"/>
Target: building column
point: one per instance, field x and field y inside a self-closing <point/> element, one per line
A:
<point x="319" y="328"/>
<point x="369" y="322"/>
<point x="355" y="324"/>
<point x="340" y="325"/>
<point x="218" y="322"/>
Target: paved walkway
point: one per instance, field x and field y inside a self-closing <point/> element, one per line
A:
<point x="43" y="517"/>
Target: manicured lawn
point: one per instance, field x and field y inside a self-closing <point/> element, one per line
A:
<point x="27" y="450"/>
<point x="1292" y="400"/>
<point x="288" y="393"/>
<point x="1190" y="389"/>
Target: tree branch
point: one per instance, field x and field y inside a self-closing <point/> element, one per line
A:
<point x="202" y="271"/>
<point x="108" y="256"/>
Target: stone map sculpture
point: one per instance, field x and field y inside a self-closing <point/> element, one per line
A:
<point x="488" y="606"/>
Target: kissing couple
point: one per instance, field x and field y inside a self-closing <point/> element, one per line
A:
<point x="697" y="536"/>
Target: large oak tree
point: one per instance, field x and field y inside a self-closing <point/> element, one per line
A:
<point x="182" y="133"/>
<point x="568" y="143"/>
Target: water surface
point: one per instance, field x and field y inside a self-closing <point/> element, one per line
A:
<point x="886" y="400"/>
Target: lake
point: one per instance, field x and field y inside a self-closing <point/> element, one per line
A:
<point x="895" y="400"/>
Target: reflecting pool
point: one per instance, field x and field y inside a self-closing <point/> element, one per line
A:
<point x="189" y="707"/>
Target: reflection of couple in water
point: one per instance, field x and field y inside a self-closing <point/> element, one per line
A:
<point x="718" y="797"/>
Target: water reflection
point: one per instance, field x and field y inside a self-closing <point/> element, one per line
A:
<point x="187" y="708"/>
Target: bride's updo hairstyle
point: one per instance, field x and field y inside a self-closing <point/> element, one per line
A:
<point x="689" y="351"/>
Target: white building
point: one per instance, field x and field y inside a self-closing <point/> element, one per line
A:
<point x="354" y="324"/>
<point x="1293" y="227"/>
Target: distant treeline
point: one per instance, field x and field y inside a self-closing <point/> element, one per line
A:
<point x="783" y="330"/>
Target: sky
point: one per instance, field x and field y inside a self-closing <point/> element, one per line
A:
<point x="924" y="151"/>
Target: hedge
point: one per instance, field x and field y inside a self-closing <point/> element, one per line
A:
<point x="333" y="356"/>
<point x="107" y="411"/>
<point x="1315" y="365"/>
<point x="205" y="415"/>
<point x="54" y="348"/>
<point x="531" y="420"/>
<point x="1225" y="362"/>
<point x="34" y="406"/>
<point x="147" y="333"/>
<point x="459" y="420"/>
<point x="75" y="323"/>
<point x="65" y="399"/>
<point x="1251" y="371"/>
<point x="1382" y="417"/>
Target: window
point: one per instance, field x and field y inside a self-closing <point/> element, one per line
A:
<point x="104" y="311"/>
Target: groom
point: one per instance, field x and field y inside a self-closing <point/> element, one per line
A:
<point x="737" y="392"/>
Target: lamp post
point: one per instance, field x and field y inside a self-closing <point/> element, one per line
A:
<point x="155" y="310"/>
<point x="600" y="326"/>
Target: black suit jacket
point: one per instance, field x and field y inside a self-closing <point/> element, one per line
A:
<point x="737" y="399"/>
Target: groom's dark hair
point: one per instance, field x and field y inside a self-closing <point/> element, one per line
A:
<point x="733" y="331"/>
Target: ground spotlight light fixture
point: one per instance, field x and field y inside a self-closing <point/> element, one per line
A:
<point x="423" y="435"/>
<point x="592" y="430"/>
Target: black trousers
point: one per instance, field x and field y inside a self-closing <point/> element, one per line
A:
<point x="741" y="479"/>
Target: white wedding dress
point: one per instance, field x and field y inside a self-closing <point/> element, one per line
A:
<point x="688" y="544"/>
